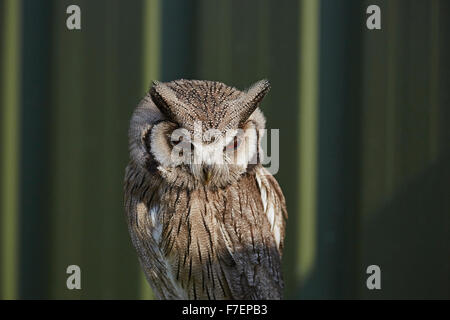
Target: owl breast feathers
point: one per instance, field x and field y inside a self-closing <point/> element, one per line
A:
<point x="206" y="218"/>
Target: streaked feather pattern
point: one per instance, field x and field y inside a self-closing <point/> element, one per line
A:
<point x="227" y="241"/>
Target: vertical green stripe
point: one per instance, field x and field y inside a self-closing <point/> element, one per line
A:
<point x="151" y="61"/>
<point x="224" y="52"/>
<point x="151" y="42"/>
<point x="68" y="181"/>
<point x="263" y="23"/>
<point x="308" y="98"/>
<point x="10" y="134"/>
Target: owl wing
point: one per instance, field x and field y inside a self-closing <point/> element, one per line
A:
<point x="142" y="210"/>
<point x="251" y="265"/>
<point x="274" y="205"/>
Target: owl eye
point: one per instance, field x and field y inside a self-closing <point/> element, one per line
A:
<point x="183" y="144"/>
<point x="233" y="145"/>
<point x="176" y="142"/>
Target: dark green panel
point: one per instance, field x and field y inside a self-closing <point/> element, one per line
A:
<point x="444" y="75"/>
<point x="396" y="93"/>
<point x="413" y="117"/>
<point x="409" y="238"/>
<point x="282" y="113"/>
<point x="178" y="35"/>
<point x="214" y="41"/>
<point x="250" y="23"/>
<point x="34" y="149"/>
<point x="375" y="106"/>
<point x="406" y="231"/>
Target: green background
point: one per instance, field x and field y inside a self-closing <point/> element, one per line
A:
<point x="364" y="128"/>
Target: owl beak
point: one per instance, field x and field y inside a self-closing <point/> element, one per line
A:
<point x="207" y="175"/>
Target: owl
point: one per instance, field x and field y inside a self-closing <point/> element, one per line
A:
<point x="205" y="217"/>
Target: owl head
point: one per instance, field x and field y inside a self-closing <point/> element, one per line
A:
<point x="198" y="133"/>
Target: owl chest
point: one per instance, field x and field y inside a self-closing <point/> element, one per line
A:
<point x="187" y="245"/>
<point x="196" y="223"/>
<point x="199" y="234"/>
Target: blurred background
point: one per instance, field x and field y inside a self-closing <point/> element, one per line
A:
<point x="364" y="127"/>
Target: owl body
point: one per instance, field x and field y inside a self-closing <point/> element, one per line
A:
<point x="211" y="225"/>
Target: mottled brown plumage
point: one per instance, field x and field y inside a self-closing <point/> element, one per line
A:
<point x="204" y="236"/>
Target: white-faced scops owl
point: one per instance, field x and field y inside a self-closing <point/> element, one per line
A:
<point x="206" y="218"/>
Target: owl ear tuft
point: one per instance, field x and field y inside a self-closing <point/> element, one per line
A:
<point x="251" y="99"/>
<point x="165" y="99"/>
